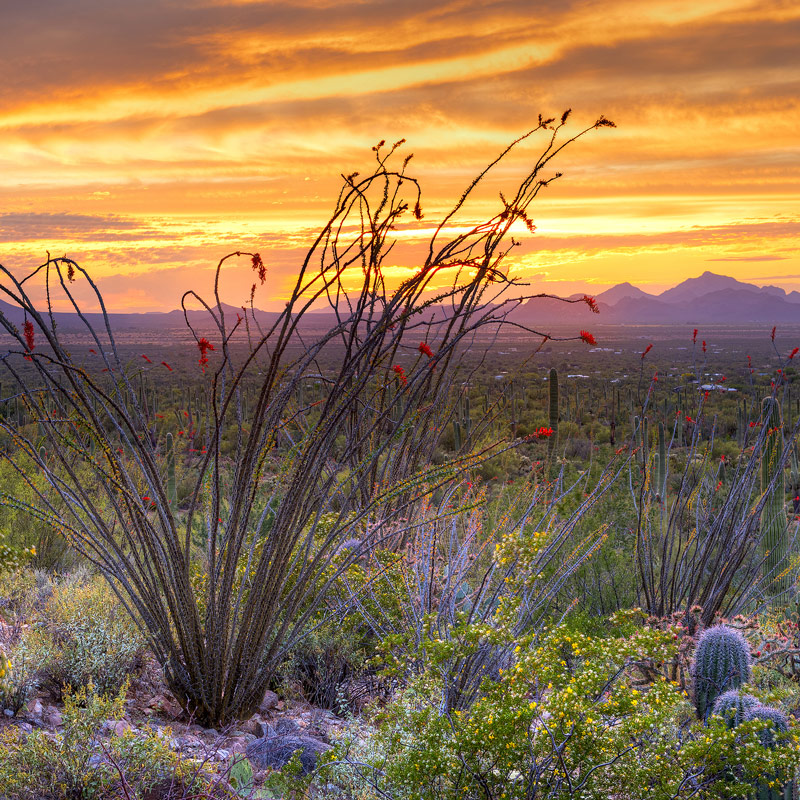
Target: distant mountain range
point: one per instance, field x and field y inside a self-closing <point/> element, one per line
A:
<point x="707" y="299"/>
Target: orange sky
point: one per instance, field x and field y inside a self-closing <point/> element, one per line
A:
<point x="147" y="139"/>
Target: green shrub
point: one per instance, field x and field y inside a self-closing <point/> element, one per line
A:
<point x="85" y="636"/>
<point x="76" y="763"/>
<point x="568" y="718"/>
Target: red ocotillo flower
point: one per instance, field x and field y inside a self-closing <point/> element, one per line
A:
<point x="647" y="349"/>
<point x="694" y="336"/>
<point x="794" y="353"/>
<point x="592" y="303"/>
<point x="772" y="335"/>
<point x="425" y="349"/>
<point x="27" y="331"/>
<point x="704" y="345"/>
<point x="401" y="374"/>
<point x="588" y="338"/>
<point x="146" y="359"/>
<point x="164" y="364"/>
<point x="544" y="432"/>
<point x="258" y="266"/>
<point x="70" y="272"/>
<point x="204" y="346"/>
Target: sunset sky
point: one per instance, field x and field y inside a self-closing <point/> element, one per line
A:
<point x="147" y="139"/>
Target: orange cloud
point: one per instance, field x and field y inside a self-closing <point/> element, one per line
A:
<point x="149" y="139"/>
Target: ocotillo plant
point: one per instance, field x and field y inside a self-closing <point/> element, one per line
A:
<point x="220" y="618"/>
<point x="721" y="664"/>
<point x="774" y="524"/>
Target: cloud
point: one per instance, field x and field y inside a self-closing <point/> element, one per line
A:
<point x="170" y="129"/>
<point x="749" y="258"/>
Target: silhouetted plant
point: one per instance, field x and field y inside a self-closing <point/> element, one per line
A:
<point x="361" y="453"/>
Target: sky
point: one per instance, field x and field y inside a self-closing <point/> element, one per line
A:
<point x="146" y="140"/>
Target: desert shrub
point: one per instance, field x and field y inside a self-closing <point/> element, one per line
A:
<point x="567" y="718"/>
<point x="77" y="764"/>
<point x="85" y="636"/>
<point x="323" y="664"/>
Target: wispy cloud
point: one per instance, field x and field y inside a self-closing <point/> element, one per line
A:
<point x="165" y="129"/>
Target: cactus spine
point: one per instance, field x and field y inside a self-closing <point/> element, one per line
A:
<point x="721" y="663"/>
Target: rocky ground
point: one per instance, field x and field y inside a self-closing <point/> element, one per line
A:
<point x="268" y="739"/>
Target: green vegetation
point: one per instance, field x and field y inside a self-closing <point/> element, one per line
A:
<point x="509" y="564"/>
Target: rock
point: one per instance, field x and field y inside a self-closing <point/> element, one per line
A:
<point x="35" y="707"/>
<point x="275" y="751"/>
<point x="8" y="712"/>
<point x="52" y="717"/>
<point x="252" y="726"/>
<point x="287" y="726"/>
<point x="119" y="727"/>
<point x="269" y="702"/>
<point x="165" y="705"/>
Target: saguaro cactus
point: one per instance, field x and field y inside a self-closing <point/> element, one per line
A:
<point x="774" y="524"/>
<point x="172" y="490"/>
<point x="551" y="444"/>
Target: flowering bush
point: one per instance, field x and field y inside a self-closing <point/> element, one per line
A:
<point x="86" y="636"/>
<point x="77" y="763"/>
<point x="565" y="719"/>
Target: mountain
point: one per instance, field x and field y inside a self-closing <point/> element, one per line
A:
<point x="707" y="299"/>
<point x="706" y="283"/>
<point x="620" y="292"/>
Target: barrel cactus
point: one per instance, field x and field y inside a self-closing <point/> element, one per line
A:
<point x="721" y="663"/>
<point x="778" y="722"/>
<point x="733" y="706"/>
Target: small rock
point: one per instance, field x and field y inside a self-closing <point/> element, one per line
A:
<point x="252" y="726"/>
<point x="35" y="707"/>
<point x="276" y="751"/>
<point x="52" y="717"/>
<point x="269" y="702"/>
<point x="8" y="712"/>
<point x="120" y="727"/>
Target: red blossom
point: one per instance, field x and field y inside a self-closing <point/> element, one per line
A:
<point x="258" y="266"/>
<point x="92" y="350"/>
<point x="694" y="336"/>
<point x="544" y="432"/>
<point x="704" y="345"/>
<point x="204" y="346"/>
<point x="146" y="359"/>
<point x="425" y="349"/>
<point x="689" y="419"/>
<point x="164" y="364"/>
<point x="27" y="330"/>
<point x="592" y="303"/>
<point x="794" y="353"/>
<point x="588" y="338"/>
<point x="647" y="349"/>
<point x="401" y="374"/>
<point x="772" y="335"/>
<point x="70" y="272"/>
